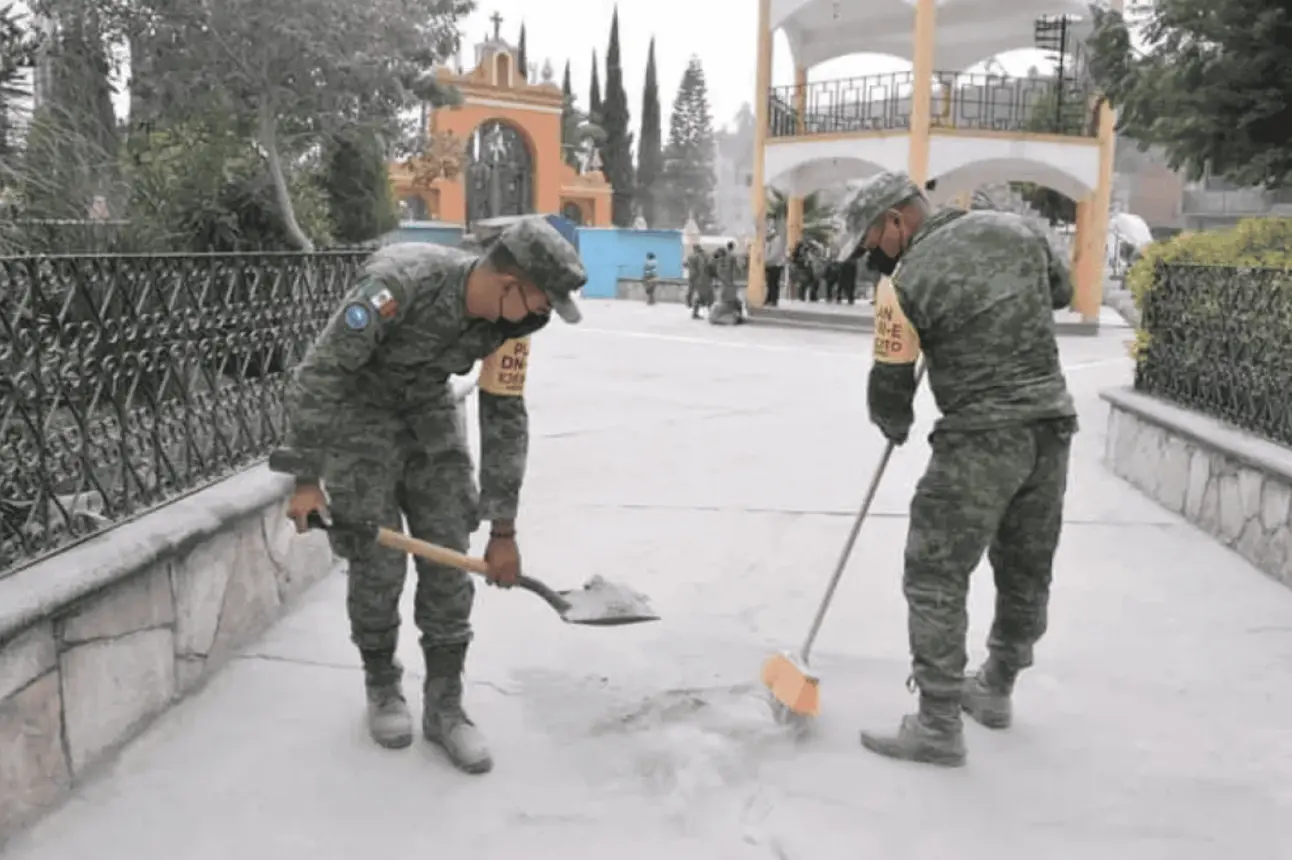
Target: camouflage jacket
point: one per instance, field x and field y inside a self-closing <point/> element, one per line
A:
<point x="361" y="382"/>
<point x="728" y="269"/>
<point x="697" y="270"/>
<point x="976" y="293"/>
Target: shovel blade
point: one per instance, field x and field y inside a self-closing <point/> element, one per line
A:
<point x="605" y="604"/>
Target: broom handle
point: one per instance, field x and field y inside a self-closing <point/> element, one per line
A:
<point x="852" y="539"/>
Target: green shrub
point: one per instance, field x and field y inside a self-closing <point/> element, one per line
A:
<point x="1255" y="242"/>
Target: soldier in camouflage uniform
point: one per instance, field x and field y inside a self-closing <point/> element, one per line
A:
<point x="699" y="276"/>
<point x="976" y="292"/>
<point x="372" y="410"/>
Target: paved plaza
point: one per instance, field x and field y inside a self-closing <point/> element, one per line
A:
<point x="717" y="469"/>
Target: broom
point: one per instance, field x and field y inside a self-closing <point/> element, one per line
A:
<point x="796" y="692"/>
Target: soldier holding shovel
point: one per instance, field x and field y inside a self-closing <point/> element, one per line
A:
<point x="371" y="410"/>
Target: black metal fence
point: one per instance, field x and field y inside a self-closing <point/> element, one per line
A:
<point x="1220" y="342"/>
<point x="975" y="102"/>
<point x="126" y="380"/>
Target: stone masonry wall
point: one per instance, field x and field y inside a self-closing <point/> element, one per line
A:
<point x="1234" y="486"/>
<point x="666" y="290"/>
<point x="98" y="640"/>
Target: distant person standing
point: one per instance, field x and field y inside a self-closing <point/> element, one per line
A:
<point x="774" y="266"/>
<point x="848" y="281"/>
<point x="728" y="269"/>
<point x="650" y="275"/>
<point x="699" y="281"/>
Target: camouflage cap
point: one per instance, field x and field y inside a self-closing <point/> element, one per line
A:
<point x="871" y="199"/>
<point x="551" y="262"/>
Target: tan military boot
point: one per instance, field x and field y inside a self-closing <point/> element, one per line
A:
<point x="389" y="721"/>
<point x="933" y="736"/>
<point x="444" y="722"/>
<point x="986" y="696"/>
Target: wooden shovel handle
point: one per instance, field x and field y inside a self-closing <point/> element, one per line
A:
<point x="401" y="542"/>
<point x="431" y="552"/>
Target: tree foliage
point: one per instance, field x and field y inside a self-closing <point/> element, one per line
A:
<point x="689" y="178"/>
<point x="357" y="185"/>
<point x="594" y="93"/>
<point x="818" y="216"/>
<point x="204" y="187"/>
<point x="617" y="151"/>
<point x="1212" y="89"/>
<point x="291" y="75"/>
<point x="17" y="55"/>
<point x="71" y="150"/>
<point x="522" y="54"/>
<point x="577" y="127"/>
<point x="650" y="149"/>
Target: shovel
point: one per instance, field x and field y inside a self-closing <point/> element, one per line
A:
<point x="597" y="604"/>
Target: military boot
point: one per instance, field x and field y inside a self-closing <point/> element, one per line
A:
<point x="932" y="736"/>
<point x="389" y="721"/>
<point x="444" y="722"/>
<point x="986" y="696"/>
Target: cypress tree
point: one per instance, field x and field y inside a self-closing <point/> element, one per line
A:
<point x="650" y="151"/>
<point x="594" y="97"/>
<point x="617" y="151"/>
<point x="522" y="55"/>
<point x="569" y="121"/>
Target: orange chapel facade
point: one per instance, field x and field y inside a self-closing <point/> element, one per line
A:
<point x="499" y="152"/>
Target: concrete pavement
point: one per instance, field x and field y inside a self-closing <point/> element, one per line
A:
<point x="717" y="469"/>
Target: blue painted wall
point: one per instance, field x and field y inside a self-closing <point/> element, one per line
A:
<point x="611" y="253"/>
<point x="436" y="232"/>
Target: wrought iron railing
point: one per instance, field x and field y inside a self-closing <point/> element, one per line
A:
<point x="1220" y="342"/>
<point x="960" y="100"/>
<point x="126" y="381"/>
<point x="867" y="103"/>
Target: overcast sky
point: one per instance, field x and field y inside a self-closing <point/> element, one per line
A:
<point x="720" y="32"/>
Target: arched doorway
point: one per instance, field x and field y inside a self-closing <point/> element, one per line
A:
<point x="573" y="213"/>
<point x="415" y="208"/>
<point x="500" y="175"/>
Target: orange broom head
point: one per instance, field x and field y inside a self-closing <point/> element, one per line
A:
<point x="792" y="686"/>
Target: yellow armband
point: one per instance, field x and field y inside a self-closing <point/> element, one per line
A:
<point x="895" y="339"/>
<point x="503" y="373"/>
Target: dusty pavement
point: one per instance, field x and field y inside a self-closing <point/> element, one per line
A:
<point x="717" y="469"/>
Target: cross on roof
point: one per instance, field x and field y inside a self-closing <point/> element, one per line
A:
<point x="497" y="26"/>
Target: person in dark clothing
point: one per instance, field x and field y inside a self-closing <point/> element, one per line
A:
<point x="848" y="281"/>
<point x="831" y="278"/>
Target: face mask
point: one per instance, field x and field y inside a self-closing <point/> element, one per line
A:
<point x="523" y="327"/>
<point x="878" y="261"/>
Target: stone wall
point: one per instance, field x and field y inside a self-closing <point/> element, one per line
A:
<point x="1233" y="485"/>
<point x="666" y="290"/>
<point x="98" y="640"/>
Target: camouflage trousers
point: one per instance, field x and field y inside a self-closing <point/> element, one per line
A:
<point x="999" y="491"/>
<point x="416" y="470"/>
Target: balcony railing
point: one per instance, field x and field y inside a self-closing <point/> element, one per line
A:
<point x="973" y="102"/>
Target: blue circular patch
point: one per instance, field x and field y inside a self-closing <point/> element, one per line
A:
<point x="357" y="317"/>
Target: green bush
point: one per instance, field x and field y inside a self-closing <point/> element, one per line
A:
<point x="197" y="188"/>
<point x="1255" y="242"/>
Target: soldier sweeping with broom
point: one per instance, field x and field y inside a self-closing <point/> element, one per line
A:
<point x="976" y="293"/>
